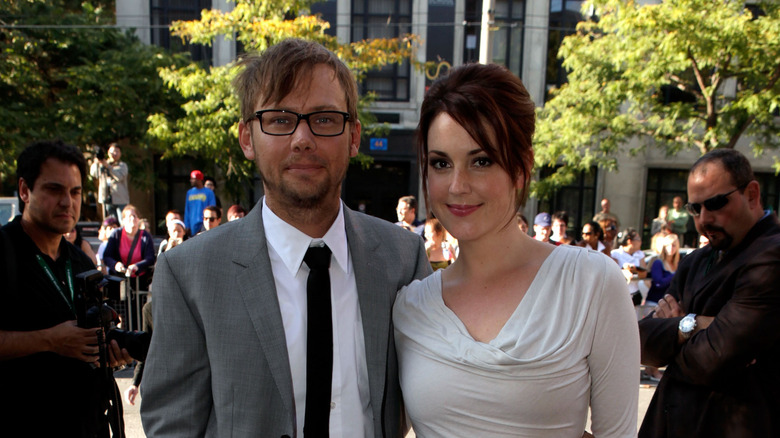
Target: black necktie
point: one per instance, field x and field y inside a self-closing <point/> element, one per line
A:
<point x="319" y="343"/>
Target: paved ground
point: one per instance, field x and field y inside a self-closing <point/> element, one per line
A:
<point x="133" y="427"/>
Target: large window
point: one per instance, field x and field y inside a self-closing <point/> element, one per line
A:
<point x="662" y="186"/>
<point x="384" y="19"/>
<point x="508" y="37"/>
<point x="164" y="12"/>
<point x="564" y="16"/>
<point x="577" y="199"/>
<point x="507" y="34"/>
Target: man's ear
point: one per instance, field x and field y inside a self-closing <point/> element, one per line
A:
<point x="24" y="191"/>
<point x="753" y="192"/>
<point x="245" y="139"/>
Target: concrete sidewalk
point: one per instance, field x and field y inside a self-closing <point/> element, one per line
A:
<point x="133" y="427"/>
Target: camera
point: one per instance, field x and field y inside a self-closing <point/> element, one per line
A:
<point x="92" y="290"/>
<point x="100" y="154"/>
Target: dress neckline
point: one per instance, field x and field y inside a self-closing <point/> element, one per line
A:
<point x="532" y="292"/>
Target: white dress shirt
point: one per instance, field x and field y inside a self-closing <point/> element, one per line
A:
<point x="350" y="397"/>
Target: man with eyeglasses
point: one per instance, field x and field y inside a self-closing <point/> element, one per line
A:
<point x="248" y="339"/>
<point x="212" y="216"/>
<point x="718" y="329"/>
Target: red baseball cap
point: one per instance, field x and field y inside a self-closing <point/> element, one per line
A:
<point x="196" y="174"/>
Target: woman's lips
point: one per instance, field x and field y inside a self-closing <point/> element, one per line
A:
<point x="462" y="210"/>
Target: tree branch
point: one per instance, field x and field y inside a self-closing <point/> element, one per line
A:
<point x="680" y="85"/>
<point x="770" y="84"/>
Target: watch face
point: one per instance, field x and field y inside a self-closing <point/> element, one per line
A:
<point x="687" y="324"/>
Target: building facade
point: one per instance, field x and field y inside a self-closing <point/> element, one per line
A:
<point x="523" y="35"/>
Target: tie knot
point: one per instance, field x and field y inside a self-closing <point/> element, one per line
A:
<point x="317" y="257"/>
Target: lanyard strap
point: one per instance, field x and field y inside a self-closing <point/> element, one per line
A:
<point x="68" y="276"/>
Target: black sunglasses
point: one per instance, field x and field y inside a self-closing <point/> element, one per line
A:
<point x="713" y="204"/>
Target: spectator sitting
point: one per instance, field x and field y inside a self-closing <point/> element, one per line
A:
<point x="661" y="220"/>
<point x="609" y="227"/>
<point x="143" y="224"/>
<point x="560" y="222"/>
<point x="543" y="228"/>
<point x="177" y="234"/>
<point x="130" y="250"/>
<point x="235" y="212"/>
<point x="440" y="253"/>
<point x="74" y="236"/>
<point x="212" y="217"/>
<point x="592" y="236"/>
<point x="631" y="260"/>
<point x="407" y="215"/>
<point x="522" y="223"/>
<point x="109" y="225"/>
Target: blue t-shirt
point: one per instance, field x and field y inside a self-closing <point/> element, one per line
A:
<point x="197" y="201"/>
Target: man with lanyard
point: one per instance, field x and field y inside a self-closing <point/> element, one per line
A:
<point x="51" y="384"/>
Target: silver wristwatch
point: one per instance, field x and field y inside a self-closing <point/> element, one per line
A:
<point x="687" y="325"/>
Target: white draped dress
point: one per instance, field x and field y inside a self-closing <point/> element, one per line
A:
<point x="571" y="343"/>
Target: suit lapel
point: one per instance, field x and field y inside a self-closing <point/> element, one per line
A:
<point x="375" y="303"/>
<point x="257" y="289"/>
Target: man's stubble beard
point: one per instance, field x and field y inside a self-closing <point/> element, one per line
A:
<point x="294" y="198"/>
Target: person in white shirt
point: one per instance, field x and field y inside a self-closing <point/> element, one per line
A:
<point x="517" y="337"/>
<point x="231" y="353"/>
<point x="631" y="260"/>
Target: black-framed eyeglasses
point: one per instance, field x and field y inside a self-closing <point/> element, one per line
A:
<point x="283" y="122"/>
<point x="713" y="204"/>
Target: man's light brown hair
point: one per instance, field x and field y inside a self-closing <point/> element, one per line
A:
<point x="272" y="75"/>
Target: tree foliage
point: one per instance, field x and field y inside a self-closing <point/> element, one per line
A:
<point x="677" y="75"/>
<point x="68" y="73"/>
<point x="209" y="127"/>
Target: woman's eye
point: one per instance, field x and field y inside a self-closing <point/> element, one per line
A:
<point x="483" y="161"/>
<point x="438" y="164"/>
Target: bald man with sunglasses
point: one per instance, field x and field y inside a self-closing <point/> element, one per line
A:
<point x="718" y="329"/>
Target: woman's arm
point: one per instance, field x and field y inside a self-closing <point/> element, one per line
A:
<point x="614" y="359"/>
<point x="661" y="277"/>
<point x="111" y="255"/>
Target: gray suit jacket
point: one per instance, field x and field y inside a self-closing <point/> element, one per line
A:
<point x="218" y="364"/>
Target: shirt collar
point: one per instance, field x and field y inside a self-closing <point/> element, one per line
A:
<point x="291" y="243"/>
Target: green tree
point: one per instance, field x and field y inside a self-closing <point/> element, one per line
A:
<point x="66" y="72"/>
<point x="677" y="75"/>
<point x="209" y="127"/>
